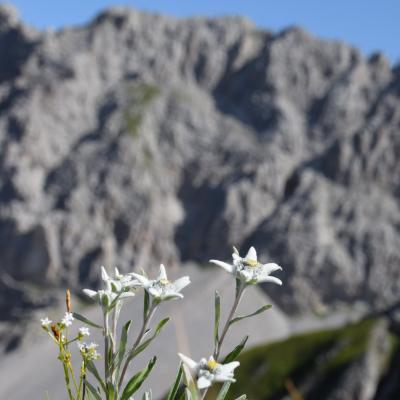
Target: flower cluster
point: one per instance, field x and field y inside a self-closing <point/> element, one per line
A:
<point x="67" y="320"/>
<point x="198" y="377"/>
<point x="117" y="288"/>
<point x="208" y="372"/>
<point x="161" y="288"/>
<point x="89" y="351"/>
<point x="248" y="269"/>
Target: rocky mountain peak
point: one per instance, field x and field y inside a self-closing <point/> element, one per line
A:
<point x="141" y="138"/>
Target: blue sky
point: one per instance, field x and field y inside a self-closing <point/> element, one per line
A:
<point x="368" y="24"/>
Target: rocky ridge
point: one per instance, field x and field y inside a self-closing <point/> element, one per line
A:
<point x="139" y="138"/>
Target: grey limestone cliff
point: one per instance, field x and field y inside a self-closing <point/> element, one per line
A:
<point x="140" y="138"/>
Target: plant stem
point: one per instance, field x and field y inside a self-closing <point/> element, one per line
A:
<point x="238" y="297"/>
<point x="138" y="340"/>
<point x="62" y="358"/>
<point x="67" y="383"/>
<point x="73" y="377"/>
<point x="106" y="349"/>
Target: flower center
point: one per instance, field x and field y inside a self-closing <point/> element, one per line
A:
<point x="212" y="364"/>
<point x="164" y="282"/>
<point x="251" y="263"/>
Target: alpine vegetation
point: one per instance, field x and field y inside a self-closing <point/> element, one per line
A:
<point x="193" y="378"/>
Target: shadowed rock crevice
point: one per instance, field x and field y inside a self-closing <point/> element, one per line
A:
<point x="200" y="233"/>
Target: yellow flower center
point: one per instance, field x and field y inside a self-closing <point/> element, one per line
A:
<point x="251" y="263"/>
<point x="212" y="364"/>
<point x="164" y="282"/>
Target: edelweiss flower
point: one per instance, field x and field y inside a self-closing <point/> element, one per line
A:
<point x="68" y="318"/>
<point x="207" y="372"/>
<point x="84" y="331"/>
<point x="161" y="288"/>
<point x="248" y="269"/>
<point x="45" y="322"/>
<point x="119" y="282"/>
<point x="120" y="287"/>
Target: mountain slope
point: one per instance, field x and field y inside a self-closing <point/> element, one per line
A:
<point x="140" y="138"/>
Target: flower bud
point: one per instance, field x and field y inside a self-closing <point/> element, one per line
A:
<point x="68" y="300"/>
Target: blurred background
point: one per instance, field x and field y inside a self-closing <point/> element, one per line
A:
<point x="170" y="131"/>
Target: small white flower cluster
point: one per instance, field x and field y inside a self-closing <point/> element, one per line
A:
<point x="248" y="269"/>
<point x="89" y="351"/>
<point x="68" y="318"/>
<point x="46" y="322"/>
<point x="84" y="331"/>
<point x="208" y="372"/>
<point x="59" y="327"/>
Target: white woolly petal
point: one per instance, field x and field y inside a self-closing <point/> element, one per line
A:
<point x="131" y="284"/>
<point x="225" y="372"/>
<point x="236" y="257"/>
<point x="269" y="268"/>
<point x="90" y="293"/>
<point x="251" y="254"/>
<point x="203" y="383"/>
<point x="224" y="265"/>
<point x="104" y="274"/>
<point x="246" y="275"/>
<point x="154" y="292"/>
<point x="230" y="366"/>
<point x="163" y="273"/>
<point x="180" y="283"/>
<point x="126" y="295"/>
<point x="271" y="279"/>
<point x="224" y="378"/>
<point x="142" y="279"/>
<point x="188" y="361"/>
<point x="172" y="295"/>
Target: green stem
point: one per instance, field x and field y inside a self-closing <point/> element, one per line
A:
<point x="106" y="350"/>
<point x="73" y="377"/>
<point x="62" y="357"/>
<point x="138" y="340"/>
<point x="67" y="382"/>
<point x="238" y="297"/>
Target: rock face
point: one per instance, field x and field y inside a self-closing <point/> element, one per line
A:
<point x="140" y="138"/>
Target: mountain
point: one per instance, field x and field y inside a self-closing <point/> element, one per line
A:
<point x="140" y="138"/>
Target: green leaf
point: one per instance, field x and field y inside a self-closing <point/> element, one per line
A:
<point x="122" y="344"/>
<point x="236" y="351"/>
<point x="93" y="391"/>
<point x="259" y="311"/>
<point x="113" y="303"/>
<point x="86" y="321"/>
<point x="110" y="391"/>
<point x="242" y="397"/>
<point x="92" y="368"/>
<point x="224" y="391"/>
<point x="217" y="308"/>
<point x="145" y="344"/>
<point x="189" y="383"/>
<point x="136" y="381"/>
<point x="188" y="395"/>
<point x="174" y="389"/>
